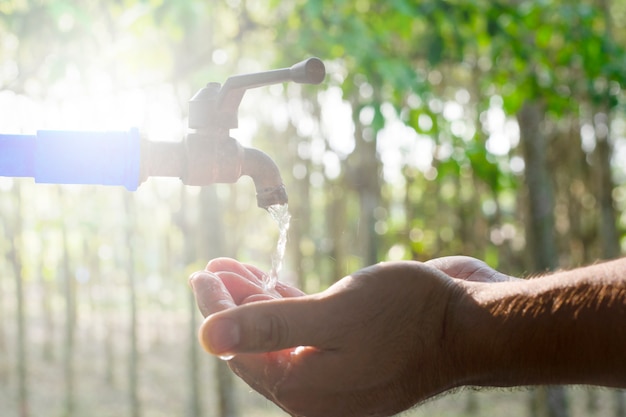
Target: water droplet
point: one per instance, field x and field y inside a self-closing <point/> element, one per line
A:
<point x="226" y="357"/>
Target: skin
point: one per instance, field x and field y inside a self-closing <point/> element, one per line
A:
<point x="395" y="334"/>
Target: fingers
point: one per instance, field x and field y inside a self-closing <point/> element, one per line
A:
<point x="268" y="326"/>
<point x="227" y="264"/>
<point x="468" y="269"/>
<point x="287" y="291"/>
<point x="240" y="288"/>
<point x="228" y="283"/>
<point x="256" y="271"/>
<point x="455" y="266"/>
<point x="211" y="293"/>
<point x="222" y="266"/>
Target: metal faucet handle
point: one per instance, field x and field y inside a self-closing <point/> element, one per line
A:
<point x="219" y="106"/>
<point x="309" y="71"/>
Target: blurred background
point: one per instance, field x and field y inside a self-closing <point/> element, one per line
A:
<point x="494" y="129"/>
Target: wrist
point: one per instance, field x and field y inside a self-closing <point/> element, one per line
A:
<point x="560" y="329"/>
<point x="473" y="334"/>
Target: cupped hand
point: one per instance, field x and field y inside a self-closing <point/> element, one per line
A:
<point x="226" y="284"/>
<point x="373" y="344"/>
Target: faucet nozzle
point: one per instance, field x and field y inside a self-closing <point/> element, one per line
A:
<point x="270" y="189"/>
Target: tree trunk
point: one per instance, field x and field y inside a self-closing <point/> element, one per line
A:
<point x="4" y="362"/>
<point x="335" y="222"/>
<point x="109" y="352"/>
<point x="15" y="258"/>
<point x="609" y="235"/>
<point x="300" y="208"/>
<point x="69" y="296"/>
<point x="541" y="239"/>
<point x="133" y="359"/>
<point x="47" y="347"/>
<point x="211" y="244"/>
<point x="547" y="401"/>
<point x="365" y="181"/>
<point x="194" y="402"/>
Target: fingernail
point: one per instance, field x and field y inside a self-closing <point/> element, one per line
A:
<point x="223" y="336"/>
<point x="197" y="279"/>
<point x="192" y="280"/>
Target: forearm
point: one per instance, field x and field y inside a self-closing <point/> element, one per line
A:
<point x="565" y="328"/>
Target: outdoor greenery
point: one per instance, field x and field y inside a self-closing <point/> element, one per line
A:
<point x="494" y="129"/>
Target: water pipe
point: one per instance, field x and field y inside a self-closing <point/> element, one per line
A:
<point x="207" y="155"/>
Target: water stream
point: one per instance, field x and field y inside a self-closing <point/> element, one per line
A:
<point x="280" y="213"/>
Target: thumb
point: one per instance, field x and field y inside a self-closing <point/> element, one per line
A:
<point x="267" y="326"/>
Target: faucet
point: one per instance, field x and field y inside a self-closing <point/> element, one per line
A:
<point x="205" y="156"/>
<point x="209" y="155"/>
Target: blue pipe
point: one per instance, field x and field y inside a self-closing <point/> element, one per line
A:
<point x="69" y="157"/>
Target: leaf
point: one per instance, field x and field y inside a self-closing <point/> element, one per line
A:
<point x="483" y="167"/>
<point x="435" y="48"/>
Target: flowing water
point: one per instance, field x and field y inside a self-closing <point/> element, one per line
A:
<point x="280" y="213"/>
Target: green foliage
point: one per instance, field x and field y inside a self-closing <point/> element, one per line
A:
<point x="483" y="165"/>
<point x="560" y="53"/>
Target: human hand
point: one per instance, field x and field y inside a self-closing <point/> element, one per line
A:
<point x="393" y="334"/>
<point x="373" y="344"/>
<point x="468" y="269"/>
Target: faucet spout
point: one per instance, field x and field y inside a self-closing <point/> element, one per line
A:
<point x="270" y="189"/>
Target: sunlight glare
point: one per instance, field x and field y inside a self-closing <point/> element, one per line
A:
<point x="332" y="165"/>
<point x="399" y="145"/>
<point x="337" y="125"/>
<point x="503" y="132"/>
<point x="366" y="115"/>
<point x="397" y="252"/>
<point x="517" y="165"/>
<point x="452" y="111"/>
<point x="219" y="57"/>
<point x="587" y="137"/>
<point x="164" y="119"/>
